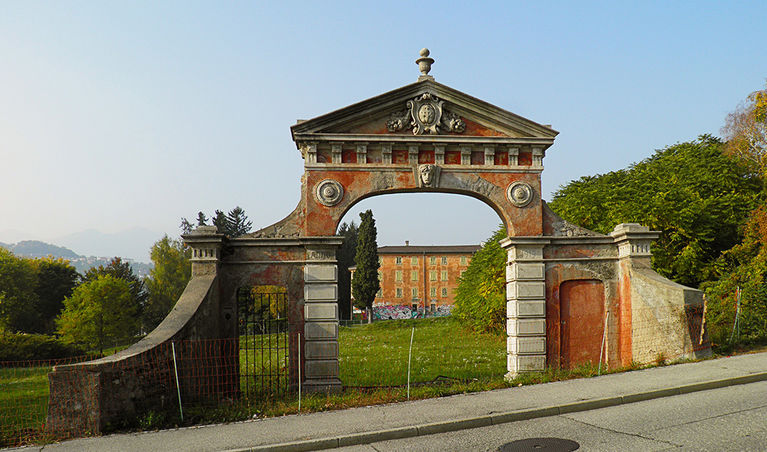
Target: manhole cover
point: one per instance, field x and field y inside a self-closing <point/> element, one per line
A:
<point x="540" y="445"/>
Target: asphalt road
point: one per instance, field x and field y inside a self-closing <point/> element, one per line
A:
<point x="728" y="419"/>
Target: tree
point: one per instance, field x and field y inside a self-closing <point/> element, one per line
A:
<point x="167" y="280"/>
<point x="100" y="312"/>
<point x="480" y="299"/>
<point x="365" y="284"/>
<point x="18" y="299"/>
<point x="122" y="270"/>
<point x="345" y="256"/>
<point x="745" y="130"/>
<point x="186" y="226"/>
<point x="695" y="195"/>
<point x="233" y="224"/>
<point x="220" y="222"/>
<point x="237" y="222"/>
<point x="56" y="279"/>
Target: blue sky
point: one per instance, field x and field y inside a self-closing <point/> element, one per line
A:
<point x="120" y="115"/>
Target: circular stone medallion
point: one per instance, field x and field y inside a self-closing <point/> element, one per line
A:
<point x="520" y="193"/>
<point x="329" y="192"/>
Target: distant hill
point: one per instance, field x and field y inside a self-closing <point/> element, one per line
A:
<point x="37" y="249"/>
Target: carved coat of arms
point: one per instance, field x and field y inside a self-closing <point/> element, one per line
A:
<point x="426" y="115"/>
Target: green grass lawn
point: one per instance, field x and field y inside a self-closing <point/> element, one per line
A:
<point x="376" y="355"/>
<point x="23" y="402"/>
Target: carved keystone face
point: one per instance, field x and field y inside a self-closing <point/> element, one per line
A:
<point x="427" y="174"/>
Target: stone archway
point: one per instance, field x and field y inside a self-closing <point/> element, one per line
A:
<point x="422" y="137"/>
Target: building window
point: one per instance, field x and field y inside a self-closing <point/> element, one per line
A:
<point x="464" y="261"/>
<point x="444" y="260"/>
<point x="414" y="307"/>
<point x="379" y="294"/>
<point x="433" y="292"/>
<point x="444" y="275"/>
<point x="433" y="308"/>
<point x="380" y="275"/>
<point x="398" y="275"/>
<point x="414" y="291"/>
<point x="399" y="292"/>
<point x="432" y="275"/>
<point x="380" y="260"/>
<point x="413" y="261"/>
<point x="414" y="275"/>
<point x="462" y="272"/>
<point x="433" y="260"/>
<point x="444" y="291"/>
<point x="398" y="260"/>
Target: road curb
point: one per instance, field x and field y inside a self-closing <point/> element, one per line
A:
<point x="355" y="439"/>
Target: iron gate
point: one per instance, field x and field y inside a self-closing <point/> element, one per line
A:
<point x="265" y="364"/>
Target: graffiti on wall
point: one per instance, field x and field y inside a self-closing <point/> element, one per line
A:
<point x="389" y="312"/>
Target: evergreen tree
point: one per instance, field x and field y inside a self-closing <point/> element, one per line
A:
<point x="365" y="284"/>
<point x="237" y="222"/>
<point x="186" y="226"/>
<point x="221" y="222"/>
<point x="202" y="220"/>
<point x="345" y="256"/>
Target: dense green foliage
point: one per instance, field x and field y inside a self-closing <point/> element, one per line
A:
<point x="28" y="347"/>
<point x="18" y="299"/>
<point x="365" y="284"/>
<point x="345" y="256"/>
<point x="56" y="279"/>
<point x="480" y="299"/>
<point x="743" y="272"/>
<point x="100" y="313"/>
<point x="697" y="197"/>
<point x="167" y="280"/>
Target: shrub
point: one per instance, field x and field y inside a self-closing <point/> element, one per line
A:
<point x="27" y="347"/>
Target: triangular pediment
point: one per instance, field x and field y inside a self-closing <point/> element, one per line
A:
<point x="423" y="109"/>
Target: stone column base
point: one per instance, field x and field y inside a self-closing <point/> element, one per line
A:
<point x="329" y="386"/>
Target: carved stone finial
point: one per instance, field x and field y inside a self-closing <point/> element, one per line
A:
<point x="424" y="65"/>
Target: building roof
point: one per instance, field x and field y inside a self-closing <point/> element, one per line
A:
<point x="435" y="249"/>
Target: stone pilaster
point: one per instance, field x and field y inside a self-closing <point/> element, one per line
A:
<point x="321" y="372"/>
<point x="386" y="153"/>
<point x="489" y="155"/>
<point x="465" y="155"/>
<point x="513" y="156"/>
<point x="439" y="154"/>
<point x="336" y="152"/>
<point x="633" y="241"/>
<point x="525" y="305"/>
<point x="412" y="152"/>
<point x="362" y="152"/>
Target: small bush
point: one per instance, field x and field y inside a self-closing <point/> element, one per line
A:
<point x="28" y="347"/>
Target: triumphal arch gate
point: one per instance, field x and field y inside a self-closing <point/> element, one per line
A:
<point x="572" y="295"/>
